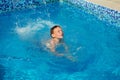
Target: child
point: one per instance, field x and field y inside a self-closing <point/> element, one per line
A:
<point x="56" y="34"/>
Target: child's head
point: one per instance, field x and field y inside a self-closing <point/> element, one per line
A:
<point x="56" y="32"/>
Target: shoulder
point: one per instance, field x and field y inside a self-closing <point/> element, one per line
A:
<point x="49" y="43"/>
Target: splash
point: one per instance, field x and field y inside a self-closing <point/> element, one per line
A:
<point x="33" y="27"/>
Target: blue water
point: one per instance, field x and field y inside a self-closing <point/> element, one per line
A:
<point x="95" y="44"/>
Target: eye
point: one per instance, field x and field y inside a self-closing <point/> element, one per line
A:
<point x="60" y="31"/>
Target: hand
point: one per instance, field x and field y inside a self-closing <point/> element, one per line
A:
<point x="60" y="55"/>
<point x="71" y="58"/>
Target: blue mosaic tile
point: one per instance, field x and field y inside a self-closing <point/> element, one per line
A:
<point x="103" y="13"/>
<point x="10" y="5"/>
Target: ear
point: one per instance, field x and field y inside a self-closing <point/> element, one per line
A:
<point x="53" y="35"/>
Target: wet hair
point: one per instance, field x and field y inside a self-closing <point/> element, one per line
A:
<point x="51" y="30"/>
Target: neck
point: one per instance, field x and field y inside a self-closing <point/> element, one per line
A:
<point x="56" y="40"/>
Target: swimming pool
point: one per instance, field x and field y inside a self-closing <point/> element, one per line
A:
<point x="95" y="43"/>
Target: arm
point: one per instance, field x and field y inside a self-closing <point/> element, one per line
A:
<point x="68" y="55"/>
<point x="51" y="45"/>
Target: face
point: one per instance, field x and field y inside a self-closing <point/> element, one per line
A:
<point x="57" y="33"/>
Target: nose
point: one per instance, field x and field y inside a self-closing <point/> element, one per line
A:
<point x="61" y="33"/>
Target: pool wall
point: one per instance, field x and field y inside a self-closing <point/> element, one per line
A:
<point x="103" y="13"/>
<point x="11" y="5"/>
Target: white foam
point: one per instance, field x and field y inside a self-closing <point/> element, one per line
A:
<point x="32" y="27"/>
<point x="61" y="1"/>
<point x="77" y="49"/>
